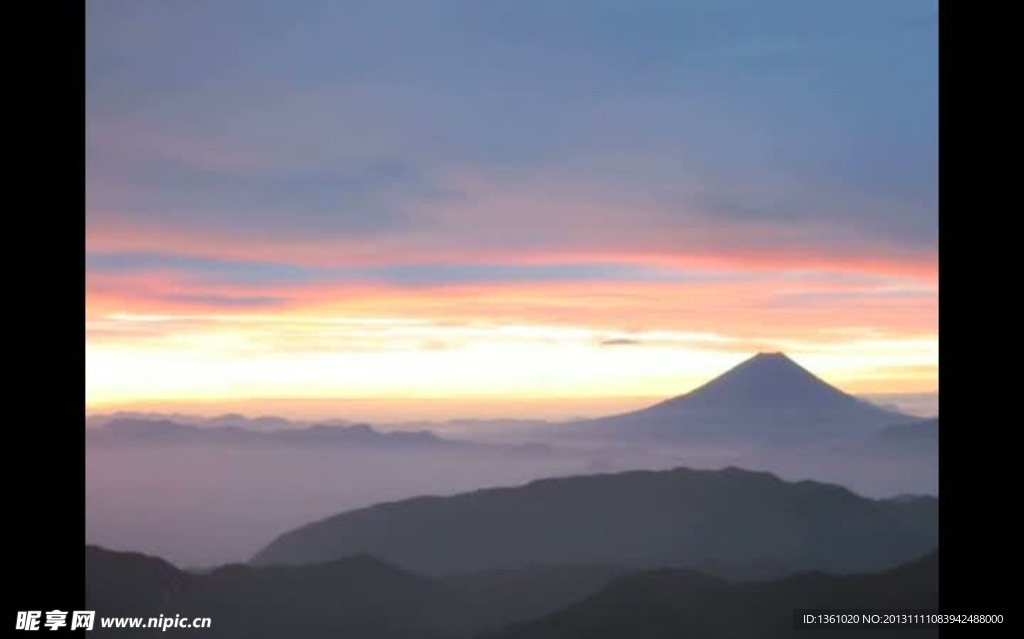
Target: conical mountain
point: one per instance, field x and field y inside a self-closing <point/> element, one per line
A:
<point x="765" y="380"/>
<point x="768" y="395"/>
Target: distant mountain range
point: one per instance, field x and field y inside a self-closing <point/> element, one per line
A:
<point x="148" y="431"/>
<point x="768" y="397"/>
<point x="503" y="428"/>
<point x="261" y="423"/>
<point x="162" y="432"/>
<point x="744" y="523"/>
<point x="914" y="441"/>
<point x="922" y="430"/>
<point x="361" y="597"/>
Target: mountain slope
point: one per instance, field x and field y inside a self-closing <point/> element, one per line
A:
<point x="742" y="521"/>
<point x="768" y="396"/>
<point x="668" y="604"/>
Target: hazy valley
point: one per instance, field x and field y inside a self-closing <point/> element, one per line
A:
<point x="207" y="491"/>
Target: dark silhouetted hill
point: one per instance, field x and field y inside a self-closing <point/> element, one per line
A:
<point x="746" y="523"/>
<point x="361" y="597"/>
<point x="671" y="604"/>
<point x="502" y="597"/>
<point x="356" y="597"/>
<point x="119" y="583"/>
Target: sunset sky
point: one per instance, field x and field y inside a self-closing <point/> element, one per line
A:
<point x="527" y="208"/>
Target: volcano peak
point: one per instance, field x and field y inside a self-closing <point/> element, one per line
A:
<point x="765" y="377"/>
<point x="767" y="392"/>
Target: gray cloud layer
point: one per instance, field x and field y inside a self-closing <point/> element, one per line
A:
<point x="812" y="123"/>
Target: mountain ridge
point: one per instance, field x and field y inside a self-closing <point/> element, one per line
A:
<point x="743" y="520"/>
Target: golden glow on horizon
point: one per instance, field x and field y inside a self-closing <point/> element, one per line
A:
<point x="482" y="348"/>
<point x="207" y="358"/>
